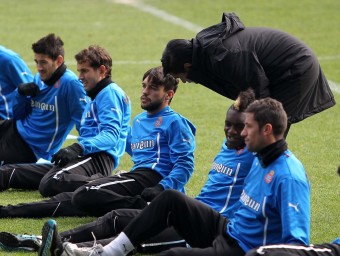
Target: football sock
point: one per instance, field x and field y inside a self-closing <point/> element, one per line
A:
<point x="120" y="246"/>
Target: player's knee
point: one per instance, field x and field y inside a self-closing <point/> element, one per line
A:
<point x="80" y="198"/>
<point x="171" y="195"/>
<point x="49" y="187"/>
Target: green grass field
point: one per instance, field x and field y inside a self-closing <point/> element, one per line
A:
<point x="135" y="33"/>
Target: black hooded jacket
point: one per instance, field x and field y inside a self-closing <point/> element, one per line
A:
<point x="229" y="58"/>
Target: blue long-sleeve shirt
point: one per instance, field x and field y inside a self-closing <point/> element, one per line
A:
<point x="44" y="121"/>
<point x="164" y="142"/>
<point x="105" y="123"/>
<point x="274" y="205"/>
<point x="13" y="71"/>
<point x="225" y="180"/>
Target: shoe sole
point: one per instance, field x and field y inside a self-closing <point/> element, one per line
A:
<point x="11" y="242"/>
<point x="47" y="234"/>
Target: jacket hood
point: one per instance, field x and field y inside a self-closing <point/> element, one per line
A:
<point x="229" y="25"/>
<point x="233" y="24"/>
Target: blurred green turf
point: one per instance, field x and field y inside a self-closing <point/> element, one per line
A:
<point x="136" y="40"/>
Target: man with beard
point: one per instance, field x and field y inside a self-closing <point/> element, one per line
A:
<point x="161" y="143"/>
<point x="273" y="206"/>
<point x="221" y="192"/>
<point x="45" y="110"/>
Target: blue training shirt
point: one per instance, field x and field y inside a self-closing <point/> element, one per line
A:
<point x="164" y="142"/>
<point x="225" y="180"/>
<point x="44" y="121"/>
<point x="106" y="122"/>
<point x="274" y="205"/>
<point x="13" y="71"/>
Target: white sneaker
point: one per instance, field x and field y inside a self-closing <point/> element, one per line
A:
<point x="73" y="250"/>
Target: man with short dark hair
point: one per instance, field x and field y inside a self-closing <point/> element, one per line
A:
<point x="221" y="192"/>
<point x="45" y="110"/>
<point x="274" y="206"/>
<point x="161" y="143"/>
<point x="102" y="134"/>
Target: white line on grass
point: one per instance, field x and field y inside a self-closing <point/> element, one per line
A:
<point x="185" y="24"/>
<point x="161" y="14"/>
<point x="335" y="57"/>
<point x="334" y="86"/>
<point x="178" y="21"/>
<point x="196" y="28"/>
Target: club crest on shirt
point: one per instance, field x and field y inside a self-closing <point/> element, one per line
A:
<point x="159" y="121"/>
<point x="269" y="177"/>
<point x="240" y="151"/>
<point x="57" y="84"/>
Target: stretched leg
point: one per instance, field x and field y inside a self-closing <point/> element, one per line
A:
<point x="221" y="246"/>
<point x="296" y="250"/>
<point x="76" y="173"/>
<point x="22" y="176"/>
<point x="115" y="192"/>
<point x="197" y="223"/>
<point x="109" y="225"/>
<point x="105" y="228"/>
<point x="59" y="205"/>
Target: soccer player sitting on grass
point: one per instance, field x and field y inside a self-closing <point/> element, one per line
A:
<point x="274" y="206"/>
<point x="102" y="134"/>
<point x="221" y="191"/>
<point x="161" y="143"/>
<point x="45" y="110"/>
<point x="324" y="249"/>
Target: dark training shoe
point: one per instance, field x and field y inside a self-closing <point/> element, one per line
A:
<point x="51" y="241"/>
<point x="13" y="242"/>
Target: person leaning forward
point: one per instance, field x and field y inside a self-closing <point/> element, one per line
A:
<point x="229" y="57"/>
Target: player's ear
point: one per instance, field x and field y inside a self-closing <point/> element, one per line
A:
<point x="102" y="69"/>
<point x="60" y="59"/>
<point x="268" y="129"/>
<point x="169" y="95"/>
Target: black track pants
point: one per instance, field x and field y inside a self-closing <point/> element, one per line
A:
<point x="105" y="228"/>
<point x="203" y="228"/>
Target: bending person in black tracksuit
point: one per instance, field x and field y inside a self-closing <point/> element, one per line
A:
<point x="229" y="57"/>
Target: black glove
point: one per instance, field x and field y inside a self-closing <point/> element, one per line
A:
<point x="65" y="155"/>
<point x="28" y="89"/>
<point x="149" y="194"/>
